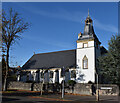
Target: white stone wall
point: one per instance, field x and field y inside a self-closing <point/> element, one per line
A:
<point x="33" y="76"/>
<point x="60" y="78"/>
<point x="85" y="75"/>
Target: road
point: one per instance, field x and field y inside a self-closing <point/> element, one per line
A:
<point x="34" y="97"/>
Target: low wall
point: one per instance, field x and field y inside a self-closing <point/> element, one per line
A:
<point x="19" y="85"/>
<point x="83" y="89"/>
<point x="108" y="89"/>
<point x="33" y="86"/>
<point x="79" y="89"/>
<point x="104" y="89"/>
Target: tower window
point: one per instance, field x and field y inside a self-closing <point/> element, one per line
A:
<point x="85" y="45"/>
<point x="85" y="62"/>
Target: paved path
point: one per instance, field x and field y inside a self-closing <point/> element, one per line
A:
<point x="34" y="97"/>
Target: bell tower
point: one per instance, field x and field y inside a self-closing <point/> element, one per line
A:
<point x="88" y="50"/>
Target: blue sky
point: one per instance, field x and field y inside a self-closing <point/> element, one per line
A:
<point x="55" y="26"/>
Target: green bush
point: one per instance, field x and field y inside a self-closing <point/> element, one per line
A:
<point x="71" y="82"/>
<point x="12" y="78"/>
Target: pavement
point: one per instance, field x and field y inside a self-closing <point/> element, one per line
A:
<point x="35" y="97"/>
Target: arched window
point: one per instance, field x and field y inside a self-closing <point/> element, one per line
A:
<point x="85" y="62"/>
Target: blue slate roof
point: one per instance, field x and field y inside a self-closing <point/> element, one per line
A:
<point x="57" y="59"/>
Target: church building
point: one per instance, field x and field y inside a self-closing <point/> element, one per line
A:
<point x="79" y="64"/>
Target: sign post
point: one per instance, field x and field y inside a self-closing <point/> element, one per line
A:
<point x="42" y="82"/>
<point x="63" y="71"/>
<point x="97" y="95"/>
<point x="63" y="88"/>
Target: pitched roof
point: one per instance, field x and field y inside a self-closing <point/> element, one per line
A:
<point x="57" y="59"/>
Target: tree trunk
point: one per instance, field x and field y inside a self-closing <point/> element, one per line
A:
<point x="7" y="67"/>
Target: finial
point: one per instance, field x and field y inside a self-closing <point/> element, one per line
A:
<point x="88" y="12"/>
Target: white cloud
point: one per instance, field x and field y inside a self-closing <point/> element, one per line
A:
<point x="105" y="27"/>
<point x="76" y="17"/>
<point x="49" y="41"/>
<point x="61" y="14"/>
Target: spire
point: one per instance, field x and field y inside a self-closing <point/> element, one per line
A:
<point x="88" y="19"/>
<point x="88" y="12"/>
<point x="88" y="26"/>
<point x="88" y="30"/>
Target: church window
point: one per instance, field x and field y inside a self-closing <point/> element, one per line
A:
<point x="51" y="74"/>
<point x="62" y="72"/>
<point x="73" y="74"/>
<point x="42" y="74"/>
<point x="85" y="62"/>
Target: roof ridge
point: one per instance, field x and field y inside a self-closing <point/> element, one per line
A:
<point x="55" y="52"/>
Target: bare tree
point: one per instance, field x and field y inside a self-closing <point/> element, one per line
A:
<point x="12" y="27"/>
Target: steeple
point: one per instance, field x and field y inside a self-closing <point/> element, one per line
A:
<point x="88" y="30"/>
<point x="88" y="17"/>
